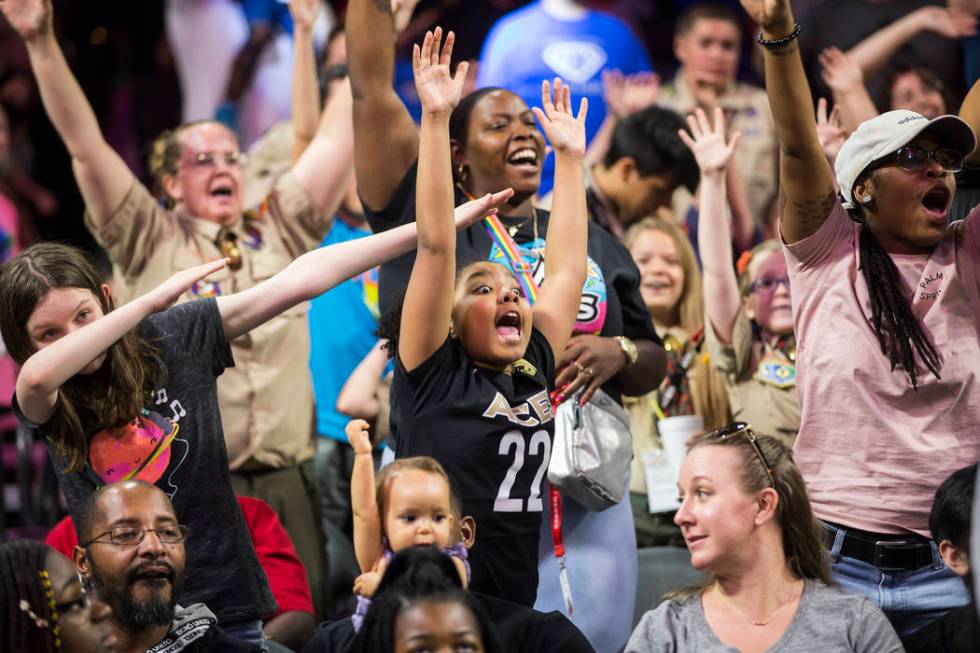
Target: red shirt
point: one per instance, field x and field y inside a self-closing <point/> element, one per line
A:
<point x="275" y="551"/>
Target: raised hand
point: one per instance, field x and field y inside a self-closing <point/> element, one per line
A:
<point x="829" y="130"/>
<point x="164" y="295"/>
<point x="839" y="71"/>
<point x="439" y="90"/>
<point x="359" y="436"/>
<point x="304" y="13"/>
<point x="953" y="23"/>
<point x="565" y="132"/>
<point x="627" y="94"/>
<point x="30" y="18"/>
<point x="707" y="141"/>
<point x="468" y="213"/>
<point x="768" y="13"/>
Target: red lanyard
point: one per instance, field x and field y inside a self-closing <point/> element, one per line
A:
<point x="566" y="587"/>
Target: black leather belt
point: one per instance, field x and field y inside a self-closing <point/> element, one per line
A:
<point x="885" y="551"/>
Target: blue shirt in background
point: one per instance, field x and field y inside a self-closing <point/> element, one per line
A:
<point x="343" y="322"/>
<point x="527" y="46"/>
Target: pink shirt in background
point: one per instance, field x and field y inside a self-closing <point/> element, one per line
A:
<point x="872" y="450"/>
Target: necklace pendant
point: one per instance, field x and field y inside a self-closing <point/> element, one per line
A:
<point x="513" y="230"/>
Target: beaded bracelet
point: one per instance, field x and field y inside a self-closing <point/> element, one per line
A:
<point x="775" y="44"/>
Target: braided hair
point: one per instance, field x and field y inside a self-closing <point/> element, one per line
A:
<point x="27" y="622"/>
<point x="899" y="333"/>
<point x="417" y="576"/>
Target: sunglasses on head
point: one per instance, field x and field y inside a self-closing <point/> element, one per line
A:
<point x="741" y="429"/>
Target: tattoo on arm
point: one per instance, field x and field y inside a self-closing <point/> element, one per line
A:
<point x="811" y="212"/>
<point x="384" y="6"/>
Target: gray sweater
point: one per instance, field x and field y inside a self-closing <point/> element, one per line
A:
<point x="841" y="623"/>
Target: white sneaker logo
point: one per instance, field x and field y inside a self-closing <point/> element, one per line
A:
<point x="574" y="61"/>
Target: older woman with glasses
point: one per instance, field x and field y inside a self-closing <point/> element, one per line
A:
<point x="886" y="293"/>
<point x="747" y="521"/>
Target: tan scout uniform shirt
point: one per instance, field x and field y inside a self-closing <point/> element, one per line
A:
<point x="757" y="156"/>
<point x="266" y="400"/>
<point x="770" y="410"/>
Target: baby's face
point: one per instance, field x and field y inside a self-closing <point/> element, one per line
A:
<point x="419" y="511"/>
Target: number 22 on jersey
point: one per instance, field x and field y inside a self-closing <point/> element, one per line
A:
<point x="512" y="444"/>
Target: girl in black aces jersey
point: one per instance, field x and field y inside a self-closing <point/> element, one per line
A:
<point x="475" y="361"/>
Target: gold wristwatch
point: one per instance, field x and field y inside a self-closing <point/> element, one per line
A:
<point x="628" y="347"/>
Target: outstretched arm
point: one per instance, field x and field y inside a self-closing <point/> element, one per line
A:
<point x="874" y="52"/>
<point x="565" y="247"/>
<point x="970" y="112"/>
<point x="805" y="177"/>
<point x="367" y="518"/>
<point x="46" y="371"/>
<point x="306" y="92"/>
<point x="721" y="296"/>
<point x="359" y="396"/>
<point x="323" y="169"/>
<point x="386" y="142"/>
<point x="428" y="306"/>
<point x="102" y="176"/>
<point x="317" y="271"/>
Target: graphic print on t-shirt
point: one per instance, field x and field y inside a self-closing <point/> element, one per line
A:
<point x="536" y="411"/>
<point x="592" y="310"/>
<point x="145" y="449"/>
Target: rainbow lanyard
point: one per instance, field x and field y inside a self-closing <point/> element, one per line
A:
<point x="510" y="250"/>
<point x="520" y="268"/>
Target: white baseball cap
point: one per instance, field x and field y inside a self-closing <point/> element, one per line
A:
<point x="889" y="132"/>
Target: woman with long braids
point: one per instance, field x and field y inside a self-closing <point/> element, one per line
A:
<point x="886" y="294"/>
<point x="43" y="607"/>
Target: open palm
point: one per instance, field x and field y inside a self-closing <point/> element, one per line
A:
<point x="767" y="12"/>
<point x="565" y="131"/>
<point x="439" y="90"/>
<point x="28" y="17"/>
<point x="707" y="141"/>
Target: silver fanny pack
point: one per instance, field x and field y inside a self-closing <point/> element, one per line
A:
<point x="593" y="448"/>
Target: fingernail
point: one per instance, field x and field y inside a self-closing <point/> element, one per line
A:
<point x="582" y="401"/>
<point x="560" y="398"/>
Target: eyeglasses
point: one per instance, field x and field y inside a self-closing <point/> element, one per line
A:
<point x="131" y="535"/>
<point x="914" y="158"/>
<point x="210" y="159"/>
<point x="734" y="430"/>
<point x="768" y="284"/>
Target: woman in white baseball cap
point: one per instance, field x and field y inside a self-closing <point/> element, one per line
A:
<point x="886" y="299"/>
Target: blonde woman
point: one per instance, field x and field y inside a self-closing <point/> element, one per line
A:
<point x="670" y="284"/>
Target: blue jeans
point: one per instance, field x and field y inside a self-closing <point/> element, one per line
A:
<point x="247" y="631"/>
<point x="909" y="598"/>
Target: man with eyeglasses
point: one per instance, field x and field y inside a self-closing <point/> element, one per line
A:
<point x="131" y="552"/>
<point x="266" y="399"/>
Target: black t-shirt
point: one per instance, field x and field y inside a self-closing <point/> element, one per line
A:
<point x="178" y="444"/>
<point x="611" y="302"/>
<point x="493" y="433"/>
<point x="519" y="630"/>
